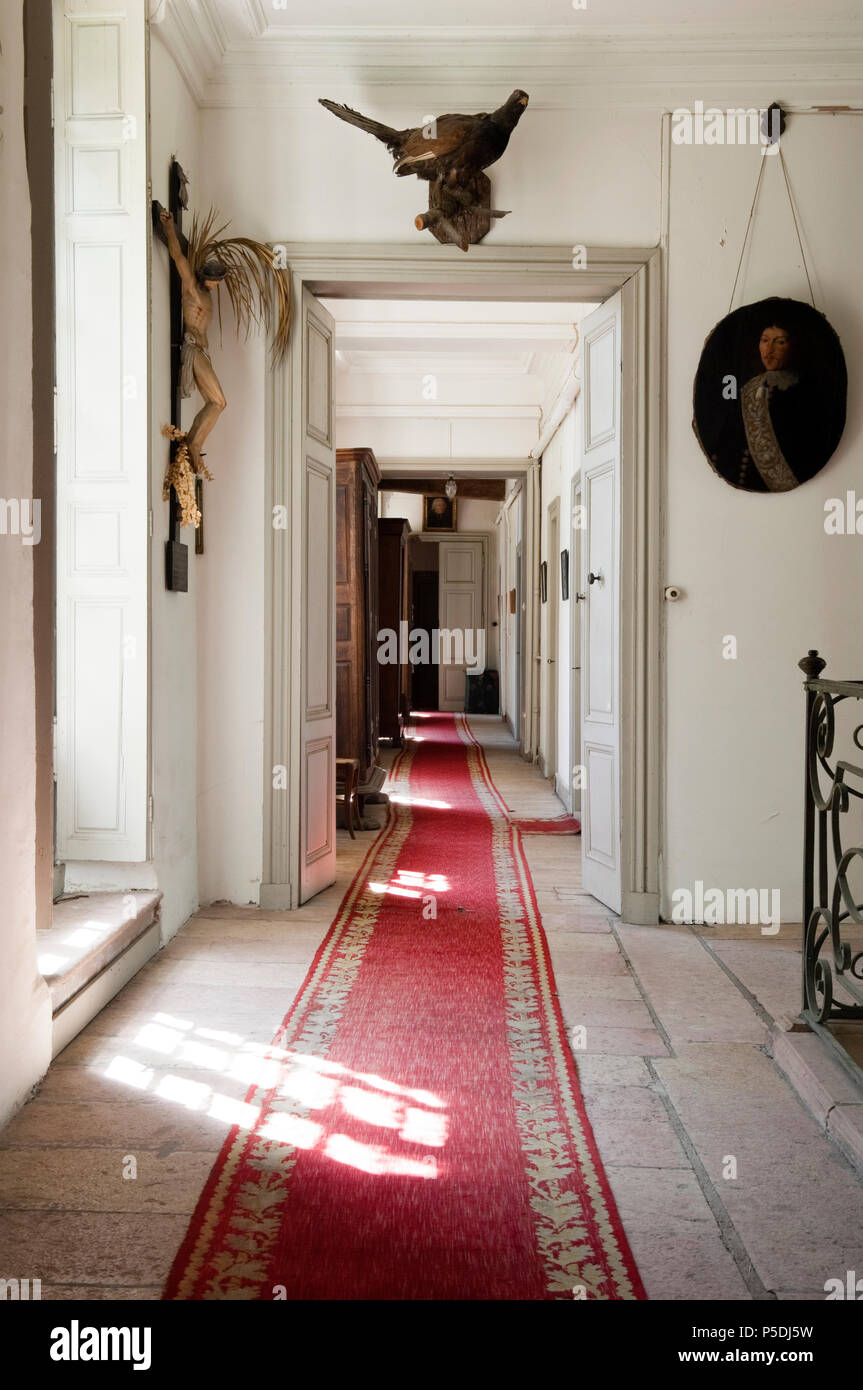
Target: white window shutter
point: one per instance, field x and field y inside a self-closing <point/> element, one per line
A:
<point x="100" y="176"/>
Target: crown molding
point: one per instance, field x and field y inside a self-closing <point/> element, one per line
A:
<point x="195" y="38"/>
<point x="434" y="410"/>
<point x="365" y="363"/>
<point x="410" y="68"/>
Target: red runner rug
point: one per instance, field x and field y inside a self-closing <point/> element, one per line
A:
<point x="424" y="1136"/>
<point x="547" y="825"/>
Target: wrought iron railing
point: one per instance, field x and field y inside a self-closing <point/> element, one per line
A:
<point x="834" y="793"/>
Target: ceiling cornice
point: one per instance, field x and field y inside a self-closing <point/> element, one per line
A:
<point x="434" y="410"/>
<point x="403" y="69"/>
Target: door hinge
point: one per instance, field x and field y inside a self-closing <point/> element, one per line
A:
<point x="52" y="103"/>
<point x="150" y="522"/>
<point x="55" y="419"/>
<point x="150" y="808"/>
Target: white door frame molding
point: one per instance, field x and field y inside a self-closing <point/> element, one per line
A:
<point x="353" y="270"/>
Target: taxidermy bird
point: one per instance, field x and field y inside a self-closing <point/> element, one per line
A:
<point x="451" y="147"/>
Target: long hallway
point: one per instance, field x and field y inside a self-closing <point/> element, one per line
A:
<point x="711" y="1158"/>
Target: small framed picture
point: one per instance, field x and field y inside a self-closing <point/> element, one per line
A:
<point x="439" y="512"/>
<point x="543" y="581"/>
<point x="564" y="574"/>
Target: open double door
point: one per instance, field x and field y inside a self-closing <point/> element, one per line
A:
<point x="597" y="590"/>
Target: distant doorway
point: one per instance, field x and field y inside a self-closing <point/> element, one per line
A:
<point x="424" y="616"/>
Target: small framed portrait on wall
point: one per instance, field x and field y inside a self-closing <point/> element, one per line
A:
<point x="543" y="581"/>
<point x="564" y="574"/>
<point x="439" y="512"/>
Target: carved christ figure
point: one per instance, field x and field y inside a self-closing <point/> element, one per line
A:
<point x="258" y="287"/>
<point x="196" y="367"/>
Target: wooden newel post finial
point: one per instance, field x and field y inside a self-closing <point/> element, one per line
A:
<point x="812" y="665"/>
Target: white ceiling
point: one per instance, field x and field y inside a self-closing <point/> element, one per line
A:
<point x="415" y="336"/>
<point x="390" y="338"/>
<point x="248" y="18"/>
<point x="249" y="52"/>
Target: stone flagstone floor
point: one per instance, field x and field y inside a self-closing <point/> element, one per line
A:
<point x="727" y="1187"/>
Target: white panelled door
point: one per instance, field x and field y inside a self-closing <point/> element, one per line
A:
<point x="314" y="461"/>
<point x="461" y="614"/>
<point x="102" y="210"/>
<point x="600" y="625"/>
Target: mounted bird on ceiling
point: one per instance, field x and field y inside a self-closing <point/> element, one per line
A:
<point x="450" y="153"/>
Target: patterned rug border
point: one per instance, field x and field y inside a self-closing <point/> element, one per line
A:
<point x="553" y="1002"/>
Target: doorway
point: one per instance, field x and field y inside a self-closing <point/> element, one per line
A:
<point x="424" y="618"/>
<point x="515" y="274"/>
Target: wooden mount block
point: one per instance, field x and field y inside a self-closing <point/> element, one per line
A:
<point x="459" y="213"/>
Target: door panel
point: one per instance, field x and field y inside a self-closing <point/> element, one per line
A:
<point x="575" y="590"/>
<point x="553" y="580"/>
<point x="600" y="618"/>
<point x="461" y="606"/>
<point x="318" y="655"/>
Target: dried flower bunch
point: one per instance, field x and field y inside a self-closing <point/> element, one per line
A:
<point x="180" y="476"/>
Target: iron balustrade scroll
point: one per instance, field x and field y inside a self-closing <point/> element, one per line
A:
<point x="833" y="793"/>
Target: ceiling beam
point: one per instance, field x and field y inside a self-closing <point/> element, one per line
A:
<point x="492" y="489"/>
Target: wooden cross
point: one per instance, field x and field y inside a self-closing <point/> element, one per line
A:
<point x="176" y="552"/>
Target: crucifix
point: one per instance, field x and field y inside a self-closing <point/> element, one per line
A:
<point x="176" y="552"/>
<point x="258" y="284"/>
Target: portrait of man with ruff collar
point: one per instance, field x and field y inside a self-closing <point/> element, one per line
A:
<point x="770" y="395"/>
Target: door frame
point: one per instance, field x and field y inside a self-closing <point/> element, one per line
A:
<point x="552" y="640"/>
<point x="576" y="580"/>
<point x="527" y="273"/>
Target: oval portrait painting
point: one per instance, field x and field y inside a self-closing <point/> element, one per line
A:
<point x="770" y="395"/>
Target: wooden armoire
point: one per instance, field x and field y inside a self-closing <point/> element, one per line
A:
<point x="393" y="604"/>
<point x="357" y="479"/>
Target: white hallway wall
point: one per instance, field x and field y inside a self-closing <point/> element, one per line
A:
<point x="208" y="669"/>
<point x="176" y="703"/>
<point x="759" y="566"/>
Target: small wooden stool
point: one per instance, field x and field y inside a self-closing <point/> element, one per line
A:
<point x="347" y="781"/>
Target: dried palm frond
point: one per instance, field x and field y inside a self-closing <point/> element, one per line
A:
<point x="260" y="293"/>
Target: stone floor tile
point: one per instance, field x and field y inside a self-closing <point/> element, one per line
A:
<point x="596" y="1071"/>
<point x="632" y="1042"/>
<point x="796" y="1204"/>
<point x="693" y="998"/>
<point x="92" y="1180"/>
<point x="109" y="1249"/>
<point x="605" y="1013"/>
<point x="698" y="1267"/>
<point x="632" y="1128"/>
<point x="577" y="984"/>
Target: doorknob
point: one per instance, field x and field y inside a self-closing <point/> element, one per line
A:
<point x="579" y="598"/>
<point x="595" y="578"/>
